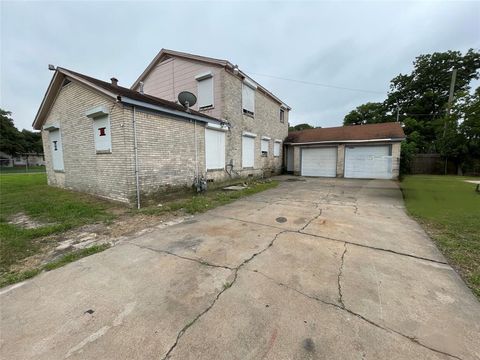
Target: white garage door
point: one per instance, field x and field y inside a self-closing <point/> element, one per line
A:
<point x="319" y="162"/>
<point x="368" y="162"/>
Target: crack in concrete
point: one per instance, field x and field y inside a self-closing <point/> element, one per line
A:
<point x="200" y="261"/>
<point x="343" y="308"/>
<point x="312" y="219"/>
<point x="340" y="273"/>
<point x="235" y="276"/>
<point x="372" y="247"/>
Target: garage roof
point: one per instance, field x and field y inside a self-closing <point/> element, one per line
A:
<point x="372" y="132"/>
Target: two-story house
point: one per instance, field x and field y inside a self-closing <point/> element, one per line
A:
<point x="122" y="144"/>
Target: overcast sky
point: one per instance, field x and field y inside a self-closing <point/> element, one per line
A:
<point x="349" y="44"/>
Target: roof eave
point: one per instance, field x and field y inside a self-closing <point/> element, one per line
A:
<point x="171" y="112"/>
<point x="344" y="141"/>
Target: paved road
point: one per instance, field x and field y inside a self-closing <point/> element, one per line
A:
<point x="315" y="269"/>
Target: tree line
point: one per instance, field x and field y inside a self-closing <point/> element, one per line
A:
<point x="13" y="141"/>
<point x="420" y="101"/>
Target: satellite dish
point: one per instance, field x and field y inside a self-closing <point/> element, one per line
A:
<point x="187" y="99"/>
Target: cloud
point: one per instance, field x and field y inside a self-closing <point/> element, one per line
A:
<point x="352" y="44"/>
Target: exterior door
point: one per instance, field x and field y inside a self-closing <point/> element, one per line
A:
<point x="57" y="150"/>
<point x="368" y="162"/>
<point x="319" y="162"/>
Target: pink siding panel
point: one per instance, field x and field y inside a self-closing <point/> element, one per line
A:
<point x="172" y="76"/>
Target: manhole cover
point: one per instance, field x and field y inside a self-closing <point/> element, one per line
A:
<point x="281" y="219"/>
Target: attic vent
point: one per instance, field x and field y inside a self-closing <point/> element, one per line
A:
<point x="65" y="82"/>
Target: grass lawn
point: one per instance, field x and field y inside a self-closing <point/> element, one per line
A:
<point x="55" y="209"/>
<point x="449" y="210"/>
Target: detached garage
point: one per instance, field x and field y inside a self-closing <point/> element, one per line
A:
<point x="357" y="151"/>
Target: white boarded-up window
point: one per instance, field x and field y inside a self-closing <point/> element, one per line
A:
<point x="214" y="149"/>
<point x="248" y="100"/>
<point x="57" y="149"/>
<point x="264" y="147"/>
<point x="101" y="132"/>
<point x="205" y="92"/>
<point x="248" y="151"/>
<point x="276" y="148"/>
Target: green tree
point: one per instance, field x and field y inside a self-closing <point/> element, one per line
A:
<point x="11" y="141"/>
<point x="369" y="113"/>
<point x="32" y="141"/>
<point x="300" y="127"/>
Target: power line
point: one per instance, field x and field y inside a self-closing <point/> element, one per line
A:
<point x="318" y="84"/>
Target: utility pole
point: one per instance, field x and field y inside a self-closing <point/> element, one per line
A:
<point x="449" y="106"/>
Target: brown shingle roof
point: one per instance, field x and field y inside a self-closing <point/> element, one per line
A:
<point x="392" y="130"/>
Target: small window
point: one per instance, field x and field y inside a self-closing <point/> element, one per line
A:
<point x="248" y="151"/>
<point x="248" y="100"/>
<point x="101" y="129"/>
<point x="205" y="91"/>
<point x="276" y="148"/>
<point x="282" y="116"/>
<point x="264" y="147"/>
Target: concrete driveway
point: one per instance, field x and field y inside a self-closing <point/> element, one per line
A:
<point x="314" y="269"/>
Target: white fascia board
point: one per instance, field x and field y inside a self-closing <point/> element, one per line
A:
<point x="97" y="111"/>
<point x="266" y="138"/>
<point x="217" y="127"/>
<point x="204" y="75"/>
<point x="51" y="127"/>
<point x="249" y="134"/>
<point x="346" y="141"/>
<point x="250" y="83"/>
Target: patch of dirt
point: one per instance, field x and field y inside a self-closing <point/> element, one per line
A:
<point x="126" y="226"/>
<point x="24" y="221"/>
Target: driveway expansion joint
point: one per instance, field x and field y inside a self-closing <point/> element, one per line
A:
<point x="351" y="312"/>
<point x="372" y="247"/>
<point x="166" y="252"/>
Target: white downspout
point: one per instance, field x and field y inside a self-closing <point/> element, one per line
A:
<point x="196" y="150"/>
<point x="135" y="147"/>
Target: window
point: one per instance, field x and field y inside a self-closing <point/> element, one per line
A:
<point x="276" y="148"/>
<point x="214" y="149"/>
<point x="282" y="116"/>
<point x="205" y="91"/>
<point x="264" y="145"/>
<point x="248" y="150"/>
<point x="248" y="98"/>
<point x="101" y="130"/>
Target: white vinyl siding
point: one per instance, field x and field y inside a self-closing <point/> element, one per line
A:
<point x="319" y="162"/>
<point x="102" y="136"/>
<point x="205" y="93"/>
<point x="214" y="149"/>
<point x="248" y="151"/>
<point x="276" y="148"/>
<point x="368" y="162"/>
<point x="57" y="150"/>
<point x="248" y="99"/>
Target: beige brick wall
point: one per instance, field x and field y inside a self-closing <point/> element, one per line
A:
<point x="100" y="174"/>
<point x="166" y="151"/>
<point x="396" y="159"/>
<point x="266" y="122"/>
<point x="166" y="154"/>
